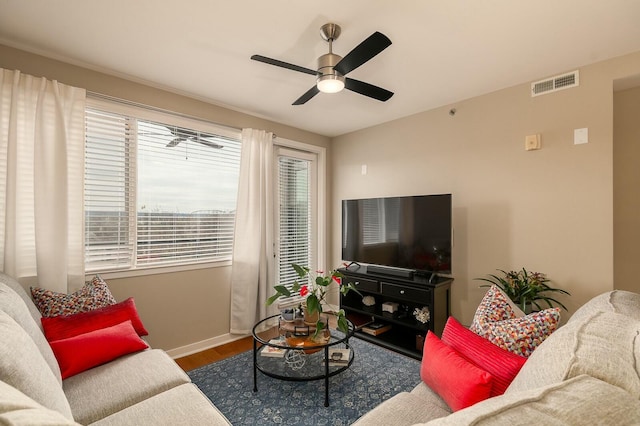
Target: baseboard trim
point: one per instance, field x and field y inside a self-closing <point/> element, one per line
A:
<point x="203" y="345"/>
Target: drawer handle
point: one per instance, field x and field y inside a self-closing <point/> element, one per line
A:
<point x="401" y="291"/>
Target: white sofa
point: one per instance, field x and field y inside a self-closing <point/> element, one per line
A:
<point x="586" y="373"/>
<point x="146" y="387"/>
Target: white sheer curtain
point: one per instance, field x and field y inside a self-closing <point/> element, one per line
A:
<point x="41" y="181"/>
<point x="252" y="273"/>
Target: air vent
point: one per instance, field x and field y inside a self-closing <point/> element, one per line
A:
<point x="553" y="84"/>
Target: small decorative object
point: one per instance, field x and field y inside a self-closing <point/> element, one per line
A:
<point x="390" y="307"/>
<point x="295" y="359"/>
<point x="422" y="314"/>
<point x="315" y="291"/>
<point x="369" y="301"/>
<point x="525" y="288"/>
<point x="288" y="314"/>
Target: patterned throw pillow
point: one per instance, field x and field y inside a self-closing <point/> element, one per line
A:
<point x="495" y="306"/>
<point x="496" y="320"/>
<point x="95" y="294"/>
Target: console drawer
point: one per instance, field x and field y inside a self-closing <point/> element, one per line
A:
<point x="402" y="292"/>
<point x="363" y="284"/>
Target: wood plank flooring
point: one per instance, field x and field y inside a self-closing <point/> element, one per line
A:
<point x="208" y="356"/>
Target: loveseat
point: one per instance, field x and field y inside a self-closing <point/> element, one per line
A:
<point x="586" y="373"/>
<point x="145" y="387"/>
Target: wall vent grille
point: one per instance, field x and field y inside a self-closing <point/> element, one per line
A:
<point x="553" y="84"/>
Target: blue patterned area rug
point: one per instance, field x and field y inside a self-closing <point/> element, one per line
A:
<point x="375" y="376"/>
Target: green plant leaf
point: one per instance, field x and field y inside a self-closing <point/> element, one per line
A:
<point x="302" y="271"/>
<point x="313" y="304"/>
<point x="272" y="299"/>
<point x="282" y="290"/>
<point x="343" y="325"/>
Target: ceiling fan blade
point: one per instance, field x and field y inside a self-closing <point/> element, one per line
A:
<point x="367" y="89"/>
<point x="175" y="142"/>
<point x="308" y="95"/>
<point x="360" y="54"/>
<point x="282" y="64"/>
<point x="210" y="144"/>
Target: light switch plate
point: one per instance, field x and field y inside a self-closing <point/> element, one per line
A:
<point x="580" y="136"/>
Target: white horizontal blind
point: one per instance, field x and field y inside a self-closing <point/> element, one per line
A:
<point x="108" y="205"/>
<point x="295" y="219"/>
<point x="157" y="194"/>
<point x="187" y="188"/>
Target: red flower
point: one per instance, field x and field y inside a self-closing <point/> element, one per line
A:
<point x="337" y="279"/>
<point x="304" y="290"/>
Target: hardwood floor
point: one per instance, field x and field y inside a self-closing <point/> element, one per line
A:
<point x="199" y="359"/>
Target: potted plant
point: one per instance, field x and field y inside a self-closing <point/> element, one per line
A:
<point x="526" y="289"/>
<point x="314" y="290"/>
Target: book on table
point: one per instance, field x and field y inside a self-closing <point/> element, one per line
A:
<point x="272" y="351"/>
<point x="376" y="328"/>
<point x="339" y="356"/>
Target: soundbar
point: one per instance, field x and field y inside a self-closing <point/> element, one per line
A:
<point x="390" y="271"/>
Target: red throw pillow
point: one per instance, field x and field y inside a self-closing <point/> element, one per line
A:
<point x="500" y="363"/>
<point x="65" y="326"/>
<point x="457" y="381"/>
<point x="84" y="351"/>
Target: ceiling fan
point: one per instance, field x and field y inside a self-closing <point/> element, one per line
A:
<point x="332" y="68"/>
<point x="181" y="134"/>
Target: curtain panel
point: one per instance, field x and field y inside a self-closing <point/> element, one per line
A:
<point x="252" y="273"/>
<point x="41" y="181"/>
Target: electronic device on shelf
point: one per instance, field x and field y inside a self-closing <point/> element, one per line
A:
<point x="399" y="236"/>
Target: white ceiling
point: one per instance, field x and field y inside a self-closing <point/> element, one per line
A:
<point x="443" y="51"/>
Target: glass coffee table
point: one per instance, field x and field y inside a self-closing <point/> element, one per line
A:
<point x="284" y="350"/>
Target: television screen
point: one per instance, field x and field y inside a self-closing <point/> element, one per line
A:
<point x="411" y="232"/>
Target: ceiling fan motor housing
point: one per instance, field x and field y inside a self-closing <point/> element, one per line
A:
<point x="329" y="80"/>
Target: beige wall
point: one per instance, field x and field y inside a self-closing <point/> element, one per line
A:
<point x="626" y="178"/>
<point x="178" y="309"/>
<point x="549" y="210"/>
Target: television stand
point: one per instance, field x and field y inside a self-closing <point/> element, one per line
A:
<point x="401" y="295"/>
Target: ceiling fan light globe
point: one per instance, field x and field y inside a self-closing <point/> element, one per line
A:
<point x="330" y="83"/>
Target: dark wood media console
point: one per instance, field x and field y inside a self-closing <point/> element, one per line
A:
<point x="409" y="292"/>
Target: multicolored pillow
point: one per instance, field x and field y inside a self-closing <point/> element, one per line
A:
<point x="500" y="363"/>
<point x="93" y="295"/>
<point x="495" y="306"/>
<point x="496" y="320"/>
<point x="458" y="382"/>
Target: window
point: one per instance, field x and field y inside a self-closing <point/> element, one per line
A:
<point x="159" y="189"/>
<point x="297" y="215"/>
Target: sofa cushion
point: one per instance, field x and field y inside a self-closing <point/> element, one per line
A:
<point x="500" y="363"/>
<point x="93" y="295"/>
<point x="604" y="345"/>
<point x="20" y="291"/>
<point x="14" y="305"/>
<point x="65" y="326"/>
<point x="579" y="401"/>
<point x="618" y="301"/>
<point x="403" y="409"/>
<point x="84" y="351"/>
<point x="182" y="405"/>
<point x="17" y="409"/>
<point x="23" y="367"/>
<point x="107" y="389"/>
<point x="456" y="380"/>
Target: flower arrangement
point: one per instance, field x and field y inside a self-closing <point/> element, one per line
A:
<point x="525" y="288"/>
<point x="314" y="292"/>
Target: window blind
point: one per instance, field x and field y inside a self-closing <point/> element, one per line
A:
<point x="157" y="193"/>
<point x="295" y="220"/>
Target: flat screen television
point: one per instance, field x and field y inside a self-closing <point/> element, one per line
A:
<point x="412" y="233"/>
